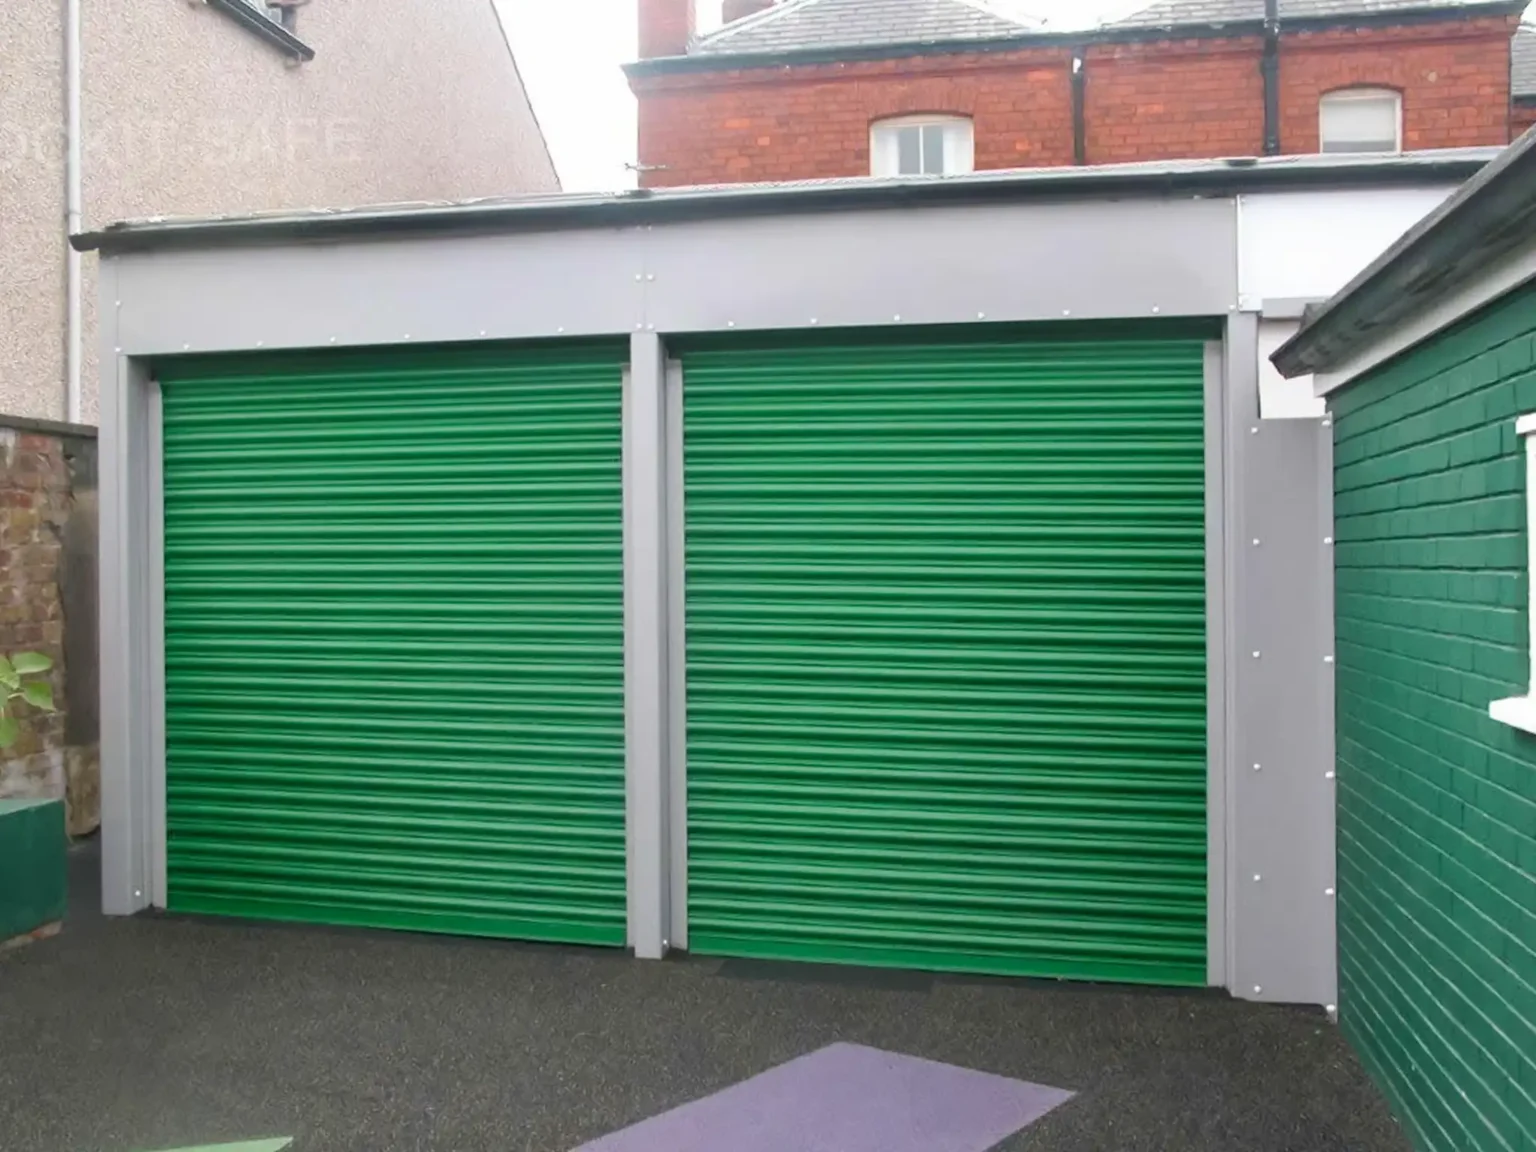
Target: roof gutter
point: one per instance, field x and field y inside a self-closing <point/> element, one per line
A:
<point x="1194" y="179"/>
<point x="1474" y="231"/>
<point x="1109" y="34"/>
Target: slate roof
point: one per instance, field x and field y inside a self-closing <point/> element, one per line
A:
<point x="1523" y="64"/>
<point x="1175" y="13"/>
<point x="817" y="25"/>
<point x="792" y="26"/>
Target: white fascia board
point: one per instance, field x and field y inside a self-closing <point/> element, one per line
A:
<point x="1505" y="277"/>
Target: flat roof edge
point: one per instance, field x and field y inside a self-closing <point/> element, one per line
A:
<point x="1181" y="178"/>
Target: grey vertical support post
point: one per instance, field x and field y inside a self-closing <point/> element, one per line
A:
<point x="1217" y="755"/>
<point x="677" y="653"/>
<point x="154" y="634"/>
<point x="1281" y="803"/>
<point x="1240" y="400"/>
<point x="1327" y="706"/>
<point x="127" y="855"/>
<point x="645" y="649"/>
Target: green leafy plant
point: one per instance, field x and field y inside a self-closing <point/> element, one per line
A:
<point x="14" y="686"/>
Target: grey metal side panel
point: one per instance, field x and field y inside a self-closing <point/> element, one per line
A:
<point x="946" y="266"/>
<point x="1025" y="262"/>
<point x="1240" y="403"/>
<point x="1282" y="801"/>
<point x="383" y="292"/>
<point x="677" y="656"/>
<point x="1218" y="761"/>
<point x="645" y="649"/>
<point x="126" y="451"/>
<point x="1327" y="726"/>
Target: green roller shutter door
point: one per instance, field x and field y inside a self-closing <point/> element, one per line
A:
<point x="394" y="640"/>
<point x="946" y="655"/>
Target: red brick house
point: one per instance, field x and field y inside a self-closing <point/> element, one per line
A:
<point x="805" y="89"/>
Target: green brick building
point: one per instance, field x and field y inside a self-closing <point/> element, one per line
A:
<point x="1429" y="364"/>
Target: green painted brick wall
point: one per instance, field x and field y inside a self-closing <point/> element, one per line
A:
<point x="1437" y="801"/>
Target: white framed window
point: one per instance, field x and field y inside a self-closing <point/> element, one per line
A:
<point x="922" y="146"/>
<point x="1520" y="711"/>
<point x="1361" y="120"/>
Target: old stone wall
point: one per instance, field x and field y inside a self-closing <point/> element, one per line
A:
<point x="48" y="605"/>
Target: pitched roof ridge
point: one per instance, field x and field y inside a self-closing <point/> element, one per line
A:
<point x="768" y="15"/>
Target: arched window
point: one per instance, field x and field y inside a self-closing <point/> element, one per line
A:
<point x="1362" y="120"/>
<point x="922" y="146"/>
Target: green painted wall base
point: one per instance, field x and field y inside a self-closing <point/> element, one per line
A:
<point x="276" y="1145"/>
<point x="33" y="865"/>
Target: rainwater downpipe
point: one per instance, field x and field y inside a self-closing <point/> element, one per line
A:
<point x="1270" y="68"/>
<point x="74" y="288"/>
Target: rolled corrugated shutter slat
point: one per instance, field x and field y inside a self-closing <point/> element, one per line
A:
<point x="394" y="640"/>
<point x="946" y="654"/>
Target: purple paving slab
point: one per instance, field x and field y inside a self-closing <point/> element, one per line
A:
<point x="847" y="1098"/>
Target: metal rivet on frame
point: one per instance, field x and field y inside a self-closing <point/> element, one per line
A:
<point x="1256" y="655"/>
<point x="1257" y="877"/>
<point x="1327" y="891"/>
<point x="1330" y="775"/>
<point x="1327" y="659"/>
<point x="1258" y="989"/>
<point x="1258" y="767"/>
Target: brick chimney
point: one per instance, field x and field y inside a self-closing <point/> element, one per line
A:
<point x="667" y="27"/>
<point x="739" y="9"/>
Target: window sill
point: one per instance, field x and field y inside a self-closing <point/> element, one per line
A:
<point x="269" y="30"/>
<point x="1517" y="711"/>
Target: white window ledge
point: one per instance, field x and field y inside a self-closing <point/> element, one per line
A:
<point x="1517" y="711"/>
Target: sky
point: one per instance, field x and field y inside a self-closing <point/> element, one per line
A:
<point x="570" y="51"/>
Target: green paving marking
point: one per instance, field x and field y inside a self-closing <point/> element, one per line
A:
<point x="276" y="1144"/>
